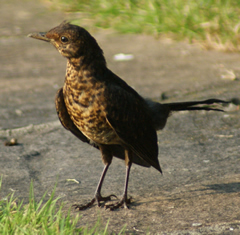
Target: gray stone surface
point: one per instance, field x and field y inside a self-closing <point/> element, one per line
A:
<point x="199" y="191"/>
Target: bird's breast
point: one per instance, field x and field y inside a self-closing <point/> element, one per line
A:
<point x="85" y="104"/>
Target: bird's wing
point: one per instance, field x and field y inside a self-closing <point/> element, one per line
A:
<point x="128" y="115"/>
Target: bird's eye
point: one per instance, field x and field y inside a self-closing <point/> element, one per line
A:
<point x="64" y="39"/>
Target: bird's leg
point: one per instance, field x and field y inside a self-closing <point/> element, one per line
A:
<point x="107" y="159"/>
<point x="98" y="197"/>
<point x="125" y="200"/>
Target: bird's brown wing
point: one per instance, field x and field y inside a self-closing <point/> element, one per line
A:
<point x="128" y="115"/>
<point x="117" y="150"/>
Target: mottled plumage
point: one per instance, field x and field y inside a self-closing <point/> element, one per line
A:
<point x="101" y="109"/>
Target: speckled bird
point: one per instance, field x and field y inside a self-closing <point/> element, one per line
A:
<point x="104" y="111"/>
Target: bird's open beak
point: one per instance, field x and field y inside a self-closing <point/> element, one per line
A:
<point x="40" y="36"/>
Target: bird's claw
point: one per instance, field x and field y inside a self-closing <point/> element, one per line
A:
<point x="123" y="203"/>
<point x="97" y="198"/>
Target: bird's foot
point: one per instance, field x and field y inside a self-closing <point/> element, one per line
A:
<point x="98" y="198"/>
<point x="124" y="202"/>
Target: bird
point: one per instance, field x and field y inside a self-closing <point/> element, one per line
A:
<point x="102" y="110"/>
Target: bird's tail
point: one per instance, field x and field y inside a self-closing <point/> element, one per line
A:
<point x="160" y="112"/>
<point x="192" y="105"/>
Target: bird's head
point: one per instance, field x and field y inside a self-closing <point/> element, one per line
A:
<point x="71" y="41"/>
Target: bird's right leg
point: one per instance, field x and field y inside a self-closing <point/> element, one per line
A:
<point x="107" y="159"/>
<point x="125" y="200"/>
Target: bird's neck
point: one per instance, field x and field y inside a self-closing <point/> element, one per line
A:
<point x="90" y="61"/>
<point x="87" y="62"/>
<point x="88" y="57"/>
<point x="78" y="71"/>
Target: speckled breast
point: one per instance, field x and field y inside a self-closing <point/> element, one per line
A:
<point x="85" y="104"/>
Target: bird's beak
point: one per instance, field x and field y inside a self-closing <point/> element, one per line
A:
<point x="40" y="36"/>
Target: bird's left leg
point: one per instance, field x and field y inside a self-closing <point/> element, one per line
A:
<point x="107" y="159"/>
<point x="125" y="200"/>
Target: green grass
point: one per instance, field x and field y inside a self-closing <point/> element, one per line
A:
<point x="214" y="23"/>
<point x="40" y="217"/>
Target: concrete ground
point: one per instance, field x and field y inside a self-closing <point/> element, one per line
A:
<point x="199" y="191"/>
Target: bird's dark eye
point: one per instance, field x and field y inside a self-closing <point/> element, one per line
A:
<point x="64" y="39"/>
